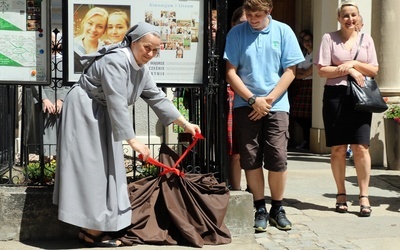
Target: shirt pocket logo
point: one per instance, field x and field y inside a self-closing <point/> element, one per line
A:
<point x="275" y="44"/>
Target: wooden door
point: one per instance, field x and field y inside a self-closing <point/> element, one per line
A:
<point x="284" y="11"/>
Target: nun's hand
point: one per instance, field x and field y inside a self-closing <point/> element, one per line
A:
<point x="192" y="128"/>
<point x="140" y="148"/>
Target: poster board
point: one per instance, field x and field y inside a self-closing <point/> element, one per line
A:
<point x="25" y="42"/>
<point x="181" y="23"/>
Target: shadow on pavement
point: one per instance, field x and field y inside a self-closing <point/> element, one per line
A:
<point x="384" y="182"/>
<point x="55" y="244"/>
<point x="305" y="205"/>
<point x="307" y="157"/>
<point x="376" y="201"/>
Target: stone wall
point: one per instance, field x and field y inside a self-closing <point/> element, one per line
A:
<point x="27" y="213"/>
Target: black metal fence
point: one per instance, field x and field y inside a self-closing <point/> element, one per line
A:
<point x="35" y="162"/>
<point x="8" y="117"/>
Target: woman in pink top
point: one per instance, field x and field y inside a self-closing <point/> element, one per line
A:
<point x="343" y="124"/>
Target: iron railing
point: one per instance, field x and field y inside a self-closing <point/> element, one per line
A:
<point x="34" y="163"/>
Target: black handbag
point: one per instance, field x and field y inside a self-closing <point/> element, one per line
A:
<point x="367" y="98"/>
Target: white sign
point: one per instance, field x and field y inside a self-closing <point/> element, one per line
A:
<point x="180" y="59"/>
<point x="25" y="49"/>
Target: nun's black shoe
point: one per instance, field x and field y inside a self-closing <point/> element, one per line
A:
<point x="98" y="241"/>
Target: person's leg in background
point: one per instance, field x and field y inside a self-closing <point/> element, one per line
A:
<point x="305" y="124"/>
<point x="235" y="172"/>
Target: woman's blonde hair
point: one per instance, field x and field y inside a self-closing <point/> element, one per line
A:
<point x="93" y="12"/>
<point x="121" y="14"/>
<point x="344" y="4"/>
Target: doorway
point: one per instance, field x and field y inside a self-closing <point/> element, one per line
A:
<point x="283" y="11"/>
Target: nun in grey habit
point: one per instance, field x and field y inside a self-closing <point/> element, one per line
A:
<point x="90" y="185"/>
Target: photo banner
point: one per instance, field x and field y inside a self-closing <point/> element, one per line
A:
<point x="181" y="25"/>
<point x="25" y="42"/>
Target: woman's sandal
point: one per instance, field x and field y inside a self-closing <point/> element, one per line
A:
<point x="365" y="211"/>
<point x="341" y="207"/>
<point x="98" y="240"/>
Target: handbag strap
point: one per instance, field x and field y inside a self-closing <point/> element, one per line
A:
<point x="359" y="46"/>
<point x="355" y="57"/>
<point x="348" y="91"/>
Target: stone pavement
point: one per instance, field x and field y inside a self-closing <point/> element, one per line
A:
<point x="310" y="200"/>
<point x="309" y="204"/>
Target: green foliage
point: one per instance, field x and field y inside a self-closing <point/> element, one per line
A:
<point x="147" y="170"/>
<point x="393" y="112"/>
<point x="33" y="171"/>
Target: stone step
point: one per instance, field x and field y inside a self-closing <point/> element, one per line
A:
<point x="27" y="213"/>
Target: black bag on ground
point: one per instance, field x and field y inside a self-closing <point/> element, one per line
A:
<point x="367" y="98"/>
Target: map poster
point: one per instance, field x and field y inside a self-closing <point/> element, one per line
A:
<point x="25" y="42"/>
<point x="181" y="26"/>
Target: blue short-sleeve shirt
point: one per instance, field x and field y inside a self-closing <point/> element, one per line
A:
<point x="261" y="56"/>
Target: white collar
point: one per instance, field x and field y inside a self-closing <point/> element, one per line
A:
<point x="128" y="52"/>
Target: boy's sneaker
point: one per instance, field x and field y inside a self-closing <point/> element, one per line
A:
<point x="260" y="220"/>
<point x="279" y="220"/>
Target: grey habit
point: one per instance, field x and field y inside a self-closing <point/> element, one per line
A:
<point x="90" y="185"/>
<point x="50" y="121"/>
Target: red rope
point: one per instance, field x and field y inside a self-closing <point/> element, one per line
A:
<point x="173" y="169"/>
